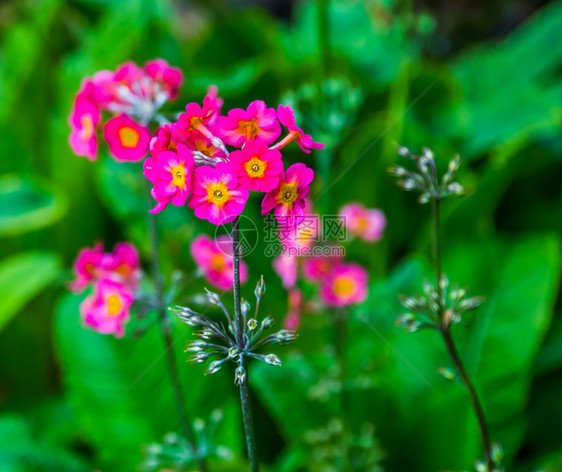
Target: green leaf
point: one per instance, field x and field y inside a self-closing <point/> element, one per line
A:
<point x="121" y="392"/>
<point x="28" y="204"/>
<point x="511" y="327"/>
<point x="21" y="278"/>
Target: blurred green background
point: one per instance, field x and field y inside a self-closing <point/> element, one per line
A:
<point x="479" y="78"/>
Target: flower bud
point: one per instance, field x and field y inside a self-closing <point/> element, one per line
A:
<point x="245" y="307"/>
<point x="260" y="288"/>
<point x="252" y="324"/>
<point x="214" y="367"/>
<point x="212" y="297"/>
<point x="272" y="359"/>
<point x="239" y="375"/>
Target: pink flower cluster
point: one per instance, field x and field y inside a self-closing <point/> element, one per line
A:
<point x="132" y="95"/>
<point x="365" y="223"/>
<point x="115" y="277"/>
<point x="190" y="162"/>
<point x="214" y="260"/>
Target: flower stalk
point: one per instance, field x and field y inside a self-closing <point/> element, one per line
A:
<point x="243" y="383"/>
<point x="442" y="306"/>
<point x="165" y="328"/>
<point x="445" y="330"/>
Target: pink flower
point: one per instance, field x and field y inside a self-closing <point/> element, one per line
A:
<point x="203" y="144"/>
<point x="286" y="265"/>
<point x="288" y="199"/>
<point x="257" y="167"/>
<point x="171" y="176"/>
<point x="83" y="120"/>
<point x="214" y="259"/>
<point x="162" y="141"/>
<point x="257" y="121"/>
<point x="168" y="78"/>
<point x="287" y="118"/>
<point x="303" y="235"/>
<point x="317" y="268"/>
<point x="293" y="318"/>
<point x="216" y="195"/>
<point x="345" y="285"/>
<point x="128" y="141"/>
<point x="107" y="310"/>
<point x="213" y="103"/>
<point x="362" y="222"/>
<point x="123" y="264"/>
<point x="87" y="266"/>
<point x="192" y="120"/>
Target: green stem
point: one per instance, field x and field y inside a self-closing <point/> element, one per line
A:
<point x="341" y="326"/>
<point x="165" y="329"/>
<point x="445" y="330"/>
<point x="243" y="384"/>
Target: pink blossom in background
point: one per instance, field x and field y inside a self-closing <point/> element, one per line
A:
<point x="127" y="140"/>
<point x="344" y="285"/>
<point x="257" y="167"/>
<point x="84" y="120"/>
<point x="165" y="77"/>
<point x="87" y="266"/>
<point x="286" y="267"/>
<point x="288" y="199"/>
<point x="303" y="235"/>
<point x="214" y="259"/>
<point x="293" y="318"/>
<point x="93" y="264"/>
<point x="123" y="264"/>
<point x="317" y="268"/>
<point x="171" y="176"/>
<point x="107" y="310"/>
<point x="257" y="121"/>
<point x="132" y="92"/>
<point x="364" y="223"/>
<point x="287" y="119"/>
<point x="216" y="195"/>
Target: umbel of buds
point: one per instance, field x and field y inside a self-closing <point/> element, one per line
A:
<point x="216" y="340"/>
<point x="437" y="308"/>
<point x="426" y="180"/>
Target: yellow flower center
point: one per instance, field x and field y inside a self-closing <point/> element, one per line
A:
<point x="218" y="194"/>
<point x="178" y="173"/>
<point x="172" y="146"/>
<point x="129" y="137"/>
<point x="255" y="167"/>
<point x="249" y="129"/>
<point x="344" y="286"/>
<point x="87" y="127"/>
<point x="114" y="305"/>
<point x="288" y="194"/>
<point x="194" y="123"/>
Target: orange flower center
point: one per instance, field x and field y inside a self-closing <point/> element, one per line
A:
<point x="218" y="194"/>
<point x="178" y="173"/>
<point x="124" y="270"/>
<point x="87" y="130"/>
<point x="249" y="129"/>
<point x="129" y="137"/>
<point x="218" y="262"/>
<point x="114" y="305"/>
<point x="344" y="286"/>
<point x="288" y="194"/>
<point x="172" y="146"/>
<point x="255" y="167"/>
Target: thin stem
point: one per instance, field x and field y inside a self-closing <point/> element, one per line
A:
<point x="165" y="328"/>
<point x="341" y="326"/>
<point x="244" y="383"/>
<point x="476" y="405"/>
<point x="445" y="330"/>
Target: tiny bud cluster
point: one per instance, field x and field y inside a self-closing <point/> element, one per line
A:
<point x="222" y="343"/>
<point x="436" y="308"/>
<point x="426" y="180"/>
